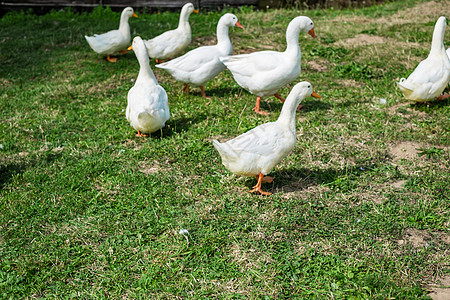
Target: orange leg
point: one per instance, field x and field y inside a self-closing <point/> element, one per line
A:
<point x="443" y="97"/>
<point x="111" y="59"/>
<point x="279" y="97"/>
<point x="202" y="90"/>
<point x="123" y="51"/>
<point x="256" y="108"/>
<point x="282" y="100"/>
<point x="186" y="88"/>
<point x="158" y="61"/>
<point x="140" y="134"/>
<point x="267" y="179"/>
<point x="257" y="187"/>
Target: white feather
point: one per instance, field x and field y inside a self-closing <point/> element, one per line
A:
<point x="115" y="40"/>
<point x="147" y="109"/>
<point x="170" y="43"/>
<point x="432" y="75"/>
<point x="264" y="73"/>
<point x="260" y="149"/>
<point x="200" y="65"/>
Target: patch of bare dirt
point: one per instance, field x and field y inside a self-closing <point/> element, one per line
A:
<point x="421" y="238"/>
<point x="318" y="65"/>
<point x="399" y="184"/>
<point x="149" y="168"/>
<point x="361" y="40"/>
<point x="445" y="237"/>
<point x="440" y="290"/>
<point x="405" y="150"/>
<point x="350" y="83"/>
<point x="417" y="238"/>
<point x="423" y="12"/>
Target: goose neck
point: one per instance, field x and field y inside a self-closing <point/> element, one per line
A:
<point x="223" y="39"/>
<point x="124" y="27"/>
<point x="287" y="114"/>
<point x="145" y="72"/>
<point x="437" y="43"/>
<point x="292" y="36"/>
<point x="184" y="20"/>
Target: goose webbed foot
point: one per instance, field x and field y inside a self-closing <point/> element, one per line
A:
<point x="257" y="187"/>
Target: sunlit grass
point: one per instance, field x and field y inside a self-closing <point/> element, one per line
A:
<point x="359" y="210"/>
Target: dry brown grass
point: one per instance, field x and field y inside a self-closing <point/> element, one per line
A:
<point x="422" y="12"/>
<point x="405" y="150"/>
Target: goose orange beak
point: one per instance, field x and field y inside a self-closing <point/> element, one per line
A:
<point x="130" y="48"/>
<point x="311" y="33"/>
<point x="239" y="25"/>
<point x="315" y="95"/>
<point x="135" y="15"/>
<point x="195" y="11"/>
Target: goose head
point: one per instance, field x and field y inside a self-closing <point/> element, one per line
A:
<point x="128" y="12"/>
<point x="188" y="9"/>
<point x="301" y="24"/>
<point x="229" y="20"/>
<point x="302" y="90"/>
<point x="138" y="46"/>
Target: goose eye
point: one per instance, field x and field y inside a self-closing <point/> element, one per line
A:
<point x="309" y="86"/>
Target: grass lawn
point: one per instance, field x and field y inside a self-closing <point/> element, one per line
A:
<point x="360" y="209"/>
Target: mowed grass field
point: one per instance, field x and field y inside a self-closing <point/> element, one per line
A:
<point x="360" y="209"/>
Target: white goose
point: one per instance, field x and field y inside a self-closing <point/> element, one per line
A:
<point x="147" y="109"/>
<point x="448" y="54"/>
<point x="264" y="73"/>
<point x="200" y="65"/>
<point x="172" y="42"/>
<point x="432" y="75"/>
<point x="257" y="151"/>
<point x="113" y="41"/>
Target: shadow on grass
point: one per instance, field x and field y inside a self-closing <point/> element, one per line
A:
<point x="223" y="92"/>
<point x="176" y="126"/>
<point x="315" y="106"/>
<point x="429" y="107"/>
<point x="9" y="170"/>
<point x="28" y="67"/>
<point x="273" y="105"/>
<point x="299" y="179"/>
<point x="346" y="104"/>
